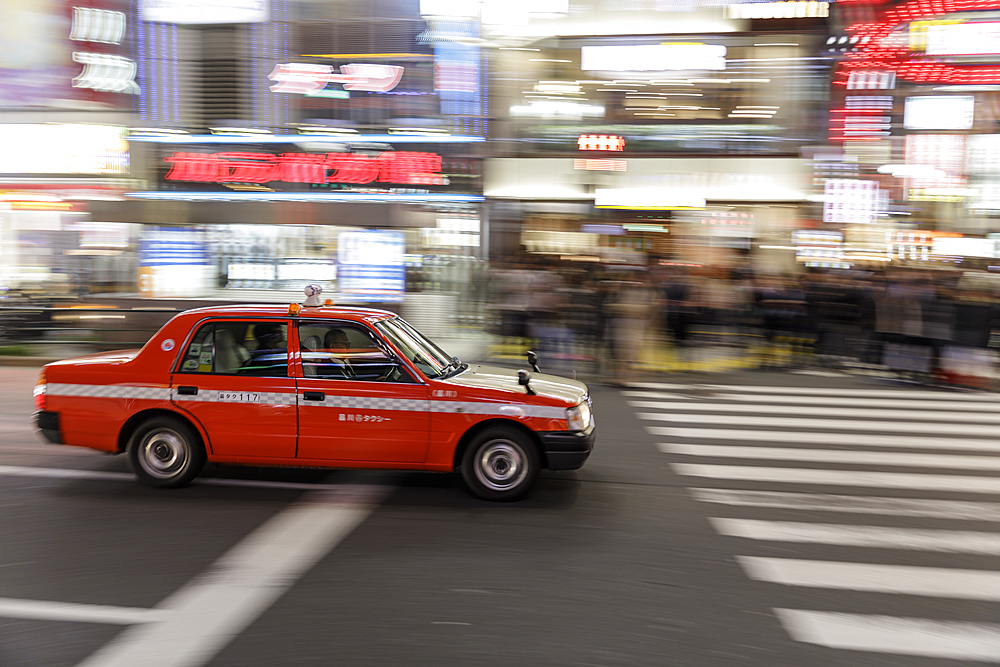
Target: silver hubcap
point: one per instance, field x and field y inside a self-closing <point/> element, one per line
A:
<point x="164" y="453"/>
<point x="501" y="465"/>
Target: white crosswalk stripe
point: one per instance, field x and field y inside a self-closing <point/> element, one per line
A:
<point x="887" y="634"/>
<point x="820" y="438"/>
<point x="828" y="461"/>
<point x="837" y="456"/>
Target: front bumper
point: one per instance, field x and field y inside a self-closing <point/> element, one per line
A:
<point x="568" y="450"/>
<point x="48" y="425"/>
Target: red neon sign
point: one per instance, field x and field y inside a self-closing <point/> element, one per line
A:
<point x="600" y="142"/>
<point x="881" y="53"/>
<point x="388" y="167"/>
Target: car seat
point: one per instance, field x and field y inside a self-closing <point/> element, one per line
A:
<point x="229" y="355"/>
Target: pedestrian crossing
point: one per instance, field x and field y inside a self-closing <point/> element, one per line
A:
<point x="854" y="493"/>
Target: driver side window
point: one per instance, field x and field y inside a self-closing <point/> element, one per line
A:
<point x="346" y="351"/>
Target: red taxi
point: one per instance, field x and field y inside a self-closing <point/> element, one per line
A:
<point x="313" y="386"/>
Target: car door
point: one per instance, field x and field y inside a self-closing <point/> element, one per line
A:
<point x="357" y="402"/>
<point x="233" y="378"/>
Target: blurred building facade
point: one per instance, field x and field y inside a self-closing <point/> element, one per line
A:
<point x="175" y="148"/>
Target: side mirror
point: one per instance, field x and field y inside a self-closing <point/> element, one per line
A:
<point x="533" y="360"/>
<point x="523" y="379"/>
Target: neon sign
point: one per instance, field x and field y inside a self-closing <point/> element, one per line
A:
<point x="880" y="46"/>
<point x="105" y="73"/>
<point x="102" y="72"/>
<point x="387" y="167"/>
<point x="97" y="25"/>
<point x="305" y="79"/>
<point x="600" y="142"/>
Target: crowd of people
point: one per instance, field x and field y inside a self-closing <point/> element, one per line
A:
<point x="922" y="323"/>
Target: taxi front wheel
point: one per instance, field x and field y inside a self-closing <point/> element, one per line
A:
<point x="500" y="464"/>
<point x="165" y="452"/>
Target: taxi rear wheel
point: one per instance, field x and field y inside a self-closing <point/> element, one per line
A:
<point x="165" y="452"/>
<point x="500" y="464"/>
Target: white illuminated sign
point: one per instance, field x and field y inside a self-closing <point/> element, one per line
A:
<point x="939" y="112"/>
<point x="653" y="57"/>
<point x="97" y="25"/>
<point x="205" y="11"/>
<point x="106" y="73"/>
<point x="963" y="39"/>
<point x="646" y="198"/>
<point x="306" y="78"/>
<point x="964" y="247"/>
<point x="867" y="79"/>
<point x="449" y="8"/>
<point x="848" y="200"/>
<point x="63" y="149"/>
<point x="558" y="109"/>
<point x="795" y="9"/>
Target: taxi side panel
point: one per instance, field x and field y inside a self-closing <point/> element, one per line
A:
<point x="455" y="411"/>
<point x="96" y="395"/>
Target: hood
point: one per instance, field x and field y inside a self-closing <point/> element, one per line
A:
<point x="571" y="392"/>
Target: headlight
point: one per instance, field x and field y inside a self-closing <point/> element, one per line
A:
<point x="578" y="418"/>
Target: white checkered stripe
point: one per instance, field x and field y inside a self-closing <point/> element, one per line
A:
<point x="505" y="409"/>
<point x="222" y="396"/>
<point x="108" y="391"/>
<point x="371" y="403"/>
<point x="449" y="407"/>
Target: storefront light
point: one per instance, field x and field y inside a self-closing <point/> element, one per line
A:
<point x="360" y="197"/>
<point x="425" y="138"/>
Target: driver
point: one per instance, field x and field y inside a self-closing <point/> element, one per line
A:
<point x="339" y="343"/>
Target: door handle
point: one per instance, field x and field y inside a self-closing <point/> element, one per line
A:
<point x="313" y="396"/>
<point x="187" y="391"/>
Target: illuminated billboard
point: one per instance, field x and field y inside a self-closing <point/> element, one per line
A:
<point x="939" y="112"/>
<point x="63" y="148"/>
<point x="387" y="167"/>
<point x="653" y="57"/>
<point x="205" y="11"/>
<point x="371" y="265"/>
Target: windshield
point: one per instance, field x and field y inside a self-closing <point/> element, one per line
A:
<point x="425" y="355"/>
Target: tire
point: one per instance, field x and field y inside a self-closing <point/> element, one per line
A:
<point x="500" y="464"/>
<point x="165" y="452"/>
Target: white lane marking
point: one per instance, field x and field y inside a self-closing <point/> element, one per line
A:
<point x="887" y="634"/>
<point x="819" y="438"/>
<point x="18" y="428"/>
<point x="825" y="374"/>
<point x="216" y="606"/>
<point x="877" y="537"/>
<point x="850" y="456"/>
<point x="659" y="385"/>
<point x="888" y="480"/>
<point x="907" y="404"/>
<point x="929" y="400"/>
<point x="78" y="613"/>
<point x="825" y="502"/>
<point x="61" y="473"/>
<point x="896" y="579"/>
<point x="655" y="394"/>
<point x="826" y="391"/>
<point x="916" y="412"/>
<point x="842" y="424"/>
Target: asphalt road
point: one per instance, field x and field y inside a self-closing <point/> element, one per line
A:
<point x="714" y="525"/>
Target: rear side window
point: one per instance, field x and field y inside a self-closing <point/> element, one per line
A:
<point x="238" y="348"/>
